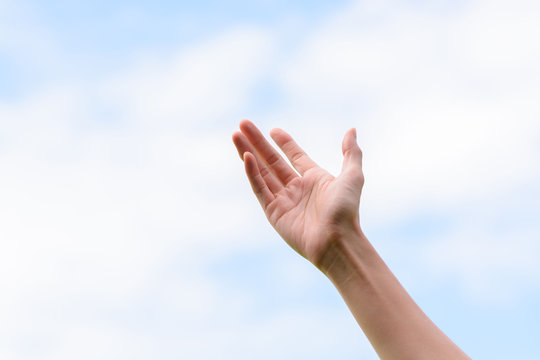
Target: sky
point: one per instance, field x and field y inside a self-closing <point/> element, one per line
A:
<point x="128" y="229"/>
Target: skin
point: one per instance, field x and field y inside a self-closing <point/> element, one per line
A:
<point x="317" y="214"/>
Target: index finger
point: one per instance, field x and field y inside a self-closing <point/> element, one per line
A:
<point x="283" y="171"/>
<point x="298" y="157"/>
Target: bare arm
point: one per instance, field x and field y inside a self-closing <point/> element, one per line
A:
<point x="317" y="215"/>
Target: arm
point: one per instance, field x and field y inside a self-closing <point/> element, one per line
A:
<point x="317" y="215"/>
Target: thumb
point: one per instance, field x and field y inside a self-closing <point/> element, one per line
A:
<point x="352" y="155"/>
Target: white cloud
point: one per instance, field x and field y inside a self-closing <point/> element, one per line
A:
<point x="445" y="103"/>
<point x="490" y="268"/>
<point x="209" y="82"/>
<point x="25" y="41"/>
<point x="435" y="128"/>
<point x="99" y="226"/>
<point x="92" y="218"/>
<point x="495" y="35"/>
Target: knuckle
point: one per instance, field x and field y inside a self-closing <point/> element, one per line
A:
<point x="296" y="156"/>
<point x="264" y="171"/>
<point x="357" y="173"/>
<point x="289" y="145"/>
<point x="272" y="159"/>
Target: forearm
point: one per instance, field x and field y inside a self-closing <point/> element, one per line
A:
<point x="396" y="327"/>
<point x="310" y="208"/>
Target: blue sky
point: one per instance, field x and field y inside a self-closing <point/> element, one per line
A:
<point x="127" y="228"/>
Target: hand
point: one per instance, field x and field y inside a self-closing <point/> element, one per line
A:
<point x="313" y="211"/>
<point x="310" y="209"/>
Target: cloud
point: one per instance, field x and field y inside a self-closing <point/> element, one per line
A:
<point x="28" y="45"/>
<point x="112" y="212"/>
<point x="444" y="100"/>
<point x="193" y="88"/>
<point x="435" y="128"/>
<point x="119" y="191"/>
<point x="92" y="212"/>
<point x="490" y="268"/>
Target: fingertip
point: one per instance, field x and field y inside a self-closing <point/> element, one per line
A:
<point x="236" y="136"/>
<point x="356" y="141"/>
<point x="275" y="132"/>
<point x="349" y="140"/>
<point x="248" y="157"/>
<point x="279" y="136"/>
<point x="245" y="124"/>
<point x="351" y="132"/>
<point x="250" y="164"/>
<point x="237" y="141"/>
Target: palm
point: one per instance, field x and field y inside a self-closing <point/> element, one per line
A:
<point x="305" y="210"/>
<point x="308" y="210"/>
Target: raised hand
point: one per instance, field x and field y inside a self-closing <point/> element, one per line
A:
<point x="311" y="208"/>
<point x="317" y="214"/>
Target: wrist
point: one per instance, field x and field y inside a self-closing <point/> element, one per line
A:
<point x="348" y="255"/>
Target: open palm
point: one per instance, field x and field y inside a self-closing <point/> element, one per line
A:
<point x="309" y="208"/>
